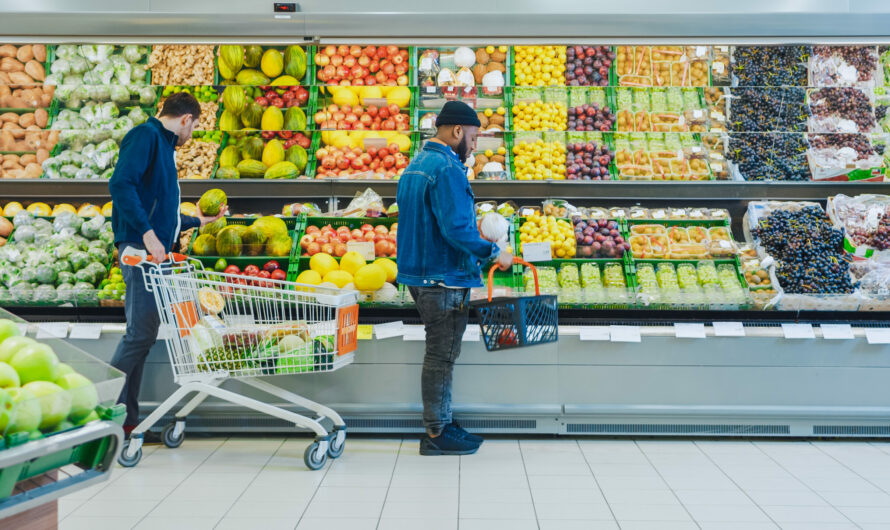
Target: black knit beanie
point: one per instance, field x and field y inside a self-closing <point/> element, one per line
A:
<point x="457" y="113"/>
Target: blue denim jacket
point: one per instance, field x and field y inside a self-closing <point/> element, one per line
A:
<point x="438" y="239"/>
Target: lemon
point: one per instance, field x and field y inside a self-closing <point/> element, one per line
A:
<point x="351" y="262"/>
<point x="489" y="153"/>
<point x="323" y="263"/>
<point x="501" y="111"/>
<point x="502" y="49"/>
<point x="489" y="49"/>
<point x="12" y="208"/>
<point x="488" y="112"/>
<point x="309" y="277"/>
<point x="338" y="278"/>
<point x="389" y="266"/>
<point x="370" y="278"/>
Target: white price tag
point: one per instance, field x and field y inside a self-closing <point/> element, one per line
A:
<point x="686" y="330"/>
<point x="85" y="331"/>
<point x="430" y="90"/>
<point x="426" y="63"/>
<point x="596" y="333"/>
<point x="718" y="67"/>
<point x="619" y="213"/>
<point x="414" y="333"/>
<point x="877" y="336"/>
<point x="390" y="329"/>
<point x="837" y="331"/>
<point x="426" y="123"/>
<point x="697" y="113"/>
<point x="52" y="330"/>
<point x="365" y="248"/>
<point x="472" y="334"/>
<point x="729" y="329"/>
<point x="527" y="212"/>
<point x="798" y="331"/>
<point x="701" y="51"/>
<point x="625" y="333"/>
<point x="532" y="252"/>
<point x="658" y="214"/>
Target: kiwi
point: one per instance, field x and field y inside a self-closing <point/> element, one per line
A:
<point x="482" y="56"/>
<point x="496" y="66"/>
<point x="497" y="56"/>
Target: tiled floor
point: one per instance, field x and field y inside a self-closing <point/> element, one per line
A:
<point x="261" y="483"/>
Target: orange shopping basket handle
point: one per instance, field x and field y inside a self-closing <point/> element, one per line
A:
<point x="515" y="261"/>
<point x="134" y="259"/>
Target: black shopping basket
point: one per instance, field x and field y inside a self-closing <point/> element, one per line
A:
<point x="515" y="322"/>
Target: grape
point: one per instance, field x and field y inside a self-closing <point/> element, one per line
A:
<point x="646" y="278"/>
<point x="764" y="66"/>
<point x="667" y="277"/>
<point x="614" y="275"/>
<point x="569" y="276"/>
<point x="590" y="276"/>
<point x="707" y="274"/>
<point x="687" y="278"/>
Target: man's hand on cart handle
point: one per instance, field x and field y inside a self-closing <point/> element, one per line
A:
<point x="153" y="246"/>
<point x="206" y="219"/>
<point x="505" y="260"/>
<point x="134" y="257"/>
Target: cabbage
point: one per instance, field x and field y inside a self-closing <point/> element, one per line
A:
<point x="124" y="123"/>
<point x="107" y="111"/>
<point x="88" y="151"/>
<point x="79" y="65"/>
<point x="66" y="51"/>
<point x="60" y="66"/>
<point x="24" y="234"/>
<point x="75" y="139"/>
<point x="106" y="147"/>
<point x="107" y="174"/>
<point x="133" y="53"/>
<point x="23" y="218"/>
<point x="92" y="78"/>
<point x="51" y="164"/>
<point x="123" y="70"/>
<point x="105" y="71"/>
<point x="119" y="94"/>
<point x="138" y="116"/>
<point x="147" y="95"/>
<point x="89" y="112"/>
<point x="54" y="79"/>
<point x="96" y="53"/>
<point x="99" y="92"/>
<point x="68" y="171"/>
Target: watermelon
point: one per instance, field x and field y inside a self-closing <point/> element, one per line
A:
<point x="229" y="172"/>
<point x="254" y="241"/>
<point x="229" y="121"/>
<point x="252" y="115"/>
<point x="251" y="169"/>
<point x="211" y="201"/>
<point x="228" y="242"/>
<point x="251" y="78"/>
<point x="233" y="55"/>
<point x="295" y="119"/>
<point x="253" y="54"/>
<point x="214" y="227"/>
<point x="297" y="156"/>
<point x="204" y="245"/>
<point x="282" y="170"/>
<point x="279" y="246"/>
<point x="234" y="99"/>
<point x="252" y="148"/>
<point x="230" y="156"/>
<point x="295" y="61"/>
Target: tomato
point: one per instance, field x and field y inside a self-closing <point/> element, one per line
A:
<point x="271" y="266"/>
<point x="232" y="269"/>
<point x="279" y="274"/>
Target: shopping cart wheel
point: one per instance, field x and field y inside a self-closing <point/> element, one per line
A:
<point x="129" y="461"/>
<point x="313" y="461"/>
<point x="171" y="439"/>
<point x="338" y="443"/>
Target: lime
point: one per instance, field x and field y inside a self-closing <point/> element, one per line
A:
<point x="104" y="283"/>
<point x="116" y="270"/>
<point x="119" y="286"/>
<point x="220" y="265"/>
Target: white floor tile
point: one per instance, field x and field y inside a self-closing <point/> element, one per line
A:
<point x="98" y="523"/>
<point x="856" y="498"/>
<point x="292" y="509"/>
<point x="478" y="494"/>
<point x="819" y="526"/>
<point x="337" y="523"/>
<point x="547" y="524"/>
<point x="649" y="512"/>
<point x="723" y="497"/>
<point x="733" y="512"/>
<point x="429" y="523"/>
<point x="736" y="526"/>
<point x="253" y="523"/>
<point x="192" y="523"/>
<point x="557" y="482"/>
<point x="346" y="494"/>
<point x="357" y="510"/>
<point x="658" y="525"/>
<point x="432" y="509"/>
<point x="498" y="524"/>
<point x="629" y="496"/>
<point x="567" y="496"/>
<point x="498" y="510"/>
<point x="573" y="510"/>
<point x="181" y="508"/>
<point x="805" y="514"/>
<point x="396" y="494"/>
<point x="786" y="498"/>
<point x="869" y="515"/>
<point x="128" y="508"/>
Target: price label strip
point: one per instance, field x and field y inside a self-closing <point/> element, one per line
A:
<point x="625" y="334"/>
<point x="596" y="333"/>
<point x="685" y="330"/>
<point x="798" y="331"/>
<point x="365" y="332"/>
<point x="389" y="330"/>
<point x="837" y="331"/>
<point x="729" y="329"/>
<point x="85" y="331"/>
<point x="52" y="330"/>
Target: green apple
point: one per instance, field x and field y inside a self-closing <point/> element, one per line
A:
<point x="55" y="403"/>
<point x="8" y="376"/>
<point x="65" y="369"/>
<point x="25" y="416"/>
<point x="35" y="362"/>
<point x="8" y="328"/>
<point x="84" y="397"/>
<point x="6" y="405"/>
<point x="11" y="345"/>
<point x="94" y="416"/>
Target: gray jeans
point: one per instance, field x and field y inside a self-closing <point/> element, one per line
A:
<point x="444" y="313"/>
<point x="142" y="332"/>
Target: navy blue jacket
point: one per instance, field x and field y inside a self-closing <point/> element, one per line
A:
<point x="438" y="239"/>
<point x="145" y="187"/>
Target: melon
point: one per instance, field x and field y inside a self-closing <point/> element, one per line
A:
<point x="205" y="245"/>
<point x="214" y="227"/>
<point x="369" y="278"/>
<point x="271" y="225"/>
<point x="254" y="240"/>
<point x="228" y="242"/>
<point x="211" y="201"/>
<point x="279" y="246"/>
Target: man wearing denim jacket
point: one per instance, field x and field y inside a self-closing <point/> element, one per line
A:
<point x="441" y="255"/>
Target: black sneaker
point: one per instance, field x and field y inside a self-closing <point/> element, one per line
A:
<point x="450" y="442"/>
<point x="469" y="436"/>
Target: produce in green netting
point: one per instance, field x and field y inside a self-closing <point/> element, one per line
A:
<point x="297" y="156"/>
<point x="295" y="61"/>
<point x="230" y="156"/>
<point x="204" y="245"/>
<point x="214" y="227"/>
<point x="251" y="169"/>
<point x="234" y="99"/>
<point x="294" y="119"/>
<point x="228" y="242"/>
<point x="211" y="201"/>
<point x="282" y="170"/>
<point x="230" y="172"/>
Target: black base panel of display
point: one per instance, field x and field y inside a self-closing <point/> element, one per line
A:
<point x="567" y="317"/>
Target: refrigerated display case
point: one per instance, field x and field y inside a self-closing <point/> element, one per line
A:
<point x="681" y="123"/>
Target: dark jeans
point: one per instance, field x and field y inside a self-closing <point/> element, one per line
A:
<point x="142" y="332"/>
<point x="444" y="313"/>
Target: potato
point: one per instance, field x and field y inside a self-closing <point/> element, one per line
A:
<point x="28" y="159"/>
<point x="10" y="126"/>
<point x="479" y="71"/>
<point x="24" y="54"/>
<point x="20" y="78"/>
<point x="26" y="120"/>
<point x="11" y="64"/>
<point x="8" y="50"/>
<point x="492" y="66"/>
<point x="481" y="160"/>
<point x="5" y="91"/>
<point x="42" y="155"/>
<point x="5" y="80"/>
<point x="9" y="162"/>
<point x="483" y="119"/>
<point x="496" y="119"/>
<point x="39" y="51"/>
<point x="482" y="56"/>
<point x="15" y="103"/>
<point x="499" y="158"/>
<point x="35" y="70"/>
<point x="499" y="57"/>
<point x="9" y="116"/>
<point x="46" y="100"/>
<point x="41" y="117"/>
<point x="33" y="171"/>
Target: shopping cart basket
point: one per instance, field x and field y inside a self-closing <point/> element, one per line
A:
<point x="225" y="326"/>
<point x="514" y="322"/>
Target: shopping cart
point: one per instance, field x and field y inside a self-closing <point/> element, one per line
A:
<point x="514" y="322"/>
<point x="225" y="326"/>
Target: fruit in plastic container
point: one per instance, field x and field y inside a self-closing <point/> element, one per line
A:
<point x="590" y="276"/>
<point x="569" y="276"/>
<point x="613" y="275"/>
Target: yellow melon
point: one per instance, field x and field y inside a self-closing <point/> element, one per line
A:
<point x="323" y="264"/>
<point x="339" y="278"/>
<point x="309" y="277"/>
<point x="389" y="266"/>
<point x="351" y="262"/>
<point x="370" y="278"/>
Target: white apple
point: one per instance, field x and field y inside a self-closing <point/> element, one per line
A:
<point x="9" y="346"/>
<point x="8" y="328"/>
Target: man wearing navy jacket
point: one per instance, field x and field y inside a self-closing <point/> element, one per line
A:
<point x="145" y="191"/>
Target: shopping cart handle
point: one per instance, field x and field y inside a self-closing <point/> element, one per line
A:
<point x="515" y="261"/>
<point x="138" y="257"/>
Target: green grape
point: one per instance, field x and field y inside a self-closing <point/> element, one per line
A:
<point x="667" y="277"/>
<point x="674" y="100"/>
<point x="727" y="277"/>
<point x="625" y="98"/>
<point x="672" y="143"/>
<point x="659" y="100"/>
<point x="641" y="98"/>
<point x="569" y="276"/>
<point x="590" y="276"/>
<point x="707" y="274"/>
<point x="646" y="278"/>
<point x="690" y="99"/>
<point x="613" y="275"/>
<point x="686" y="276"/>
<point x="598" y="96"/>
<point x="547" y="279"/>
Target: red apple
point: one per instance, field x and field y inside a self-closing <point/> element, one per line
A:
<point x="313" y="249"/>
